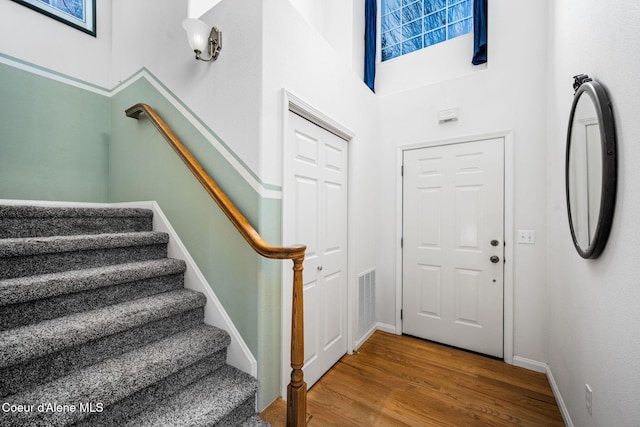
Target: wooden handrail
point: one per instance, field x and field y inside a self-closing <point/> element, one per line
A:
<point x="297" y="388"/>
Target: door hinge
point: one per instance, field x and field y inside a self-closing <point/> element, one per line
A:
<point x="401" y="242"/>
<point x="402" y="170"/>
<point x="401" y="314"/>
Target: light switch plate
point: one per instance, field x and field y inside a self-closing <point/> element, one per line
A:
<point x="527" y="237"/>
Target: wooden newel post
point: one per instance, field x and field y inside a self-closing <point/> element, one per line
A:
<point x="297" y="389"/>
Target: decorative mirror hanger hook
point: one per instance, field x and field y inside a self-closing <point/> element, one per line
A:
<point x="578" y="80"/>
<point x="197" y="32"/>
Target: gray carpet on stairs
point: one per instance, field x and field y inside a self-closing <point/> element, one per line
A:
<point x="96" y="328"/>
<point x="37" y="221"/>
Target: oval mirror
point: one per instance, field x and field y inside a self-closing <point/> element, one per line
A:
<point x="590" y="170"/>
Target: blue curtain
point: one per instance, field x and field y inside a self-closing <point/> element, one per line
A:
<point x="479" y="32"/>
<point x="370" y="43"/>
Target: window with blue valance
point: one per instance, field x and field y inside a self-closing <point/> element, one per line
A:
<point x="410" y="25"/>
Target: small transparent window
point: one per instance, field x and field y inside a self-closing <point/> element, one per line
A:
<point x="409" y="25"/>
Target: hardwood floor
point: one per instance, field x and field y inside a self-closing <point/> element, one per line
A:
<point x="398" y="380"/>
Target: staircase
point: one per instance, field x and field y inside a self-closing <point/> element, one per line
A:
<point x="97" y="329"/>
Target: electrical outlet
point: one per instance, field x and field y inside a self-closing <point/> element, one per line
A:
<point x="527" y="236"/>
<point x="588" y="397"/>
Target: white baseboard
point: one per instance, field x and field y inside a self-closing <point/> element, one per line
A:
<point x="544" y="368"/>
<point x="385" y="327"/>
<point x="532" y="365"/>
<point x="238" y="354"/>
<point x="57" y="204"/>
<point x="556" y="392"/>
<point x="365" y="337"/>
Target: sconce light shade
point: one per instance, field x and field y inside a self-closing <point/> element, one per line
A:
<point x="197" y="32"/>
<point x="200" y="37"/>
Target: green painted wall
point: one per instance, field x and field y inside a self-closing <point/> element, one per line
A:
<point x="144" y="167"/>
<point x="54" y="139"/>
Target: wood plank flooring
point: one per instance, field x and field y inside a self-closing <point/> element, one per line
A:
<point x="398" y="380"/>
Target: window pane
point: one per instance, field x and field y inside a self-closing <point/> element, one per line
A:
<point x="391" y="20"/>
<point x="431" y="6"/>
<point x="411" y="45"/>
<point x="435" y="20"/>
<point x="434" y="37"/>
<point x="412" y="29"/>
<point x="460" y="11"/>
<point x="412" y="12"/>
<point x="391" y="37"/>
<point x="389" y="5"/>
<point x="408" y="25"/>
<point x="390" y="52"/>
<point x="460" y="28"/>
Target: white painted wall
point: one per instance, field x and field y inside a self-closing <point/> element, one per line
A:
<point x="505" y="95"/>
<point x="594" y="325"/>
<point x="438" y="64"/>
<point x="225" y="94"/>
<point x="308" y="67"/>
<point x="357" y="35"/>
<point x="33" y="37"/>
<point x="341" y="24"/>
<point x="197" y="8"/>
<point x="145" y="36"/>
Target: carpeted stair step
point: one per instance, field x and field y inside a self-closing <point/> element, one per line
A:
<point x="40" y="352"/>
<point x="255" y="421"/>
<point x="224" y="398"/>
<point x="32" y="299"/>
<point x="121" y="380"/>
<point x="126" y="409"/>
<point x="41" y="255"/>
<point x="35" y="221"/>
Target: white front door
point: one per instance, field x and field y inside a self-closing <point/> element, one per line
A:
<point x="453" y="244"/>
<point x="316" y="216"/>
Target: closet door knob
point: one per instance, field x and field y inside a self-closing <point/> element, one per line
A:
<point x="494" y="259"/>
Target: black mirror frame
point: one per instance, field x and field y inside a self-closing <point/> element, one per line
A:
<point x="587" y="87"/>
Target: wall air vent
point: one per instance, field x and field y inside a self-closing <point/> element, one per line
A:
<point x="366" y="303"/>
